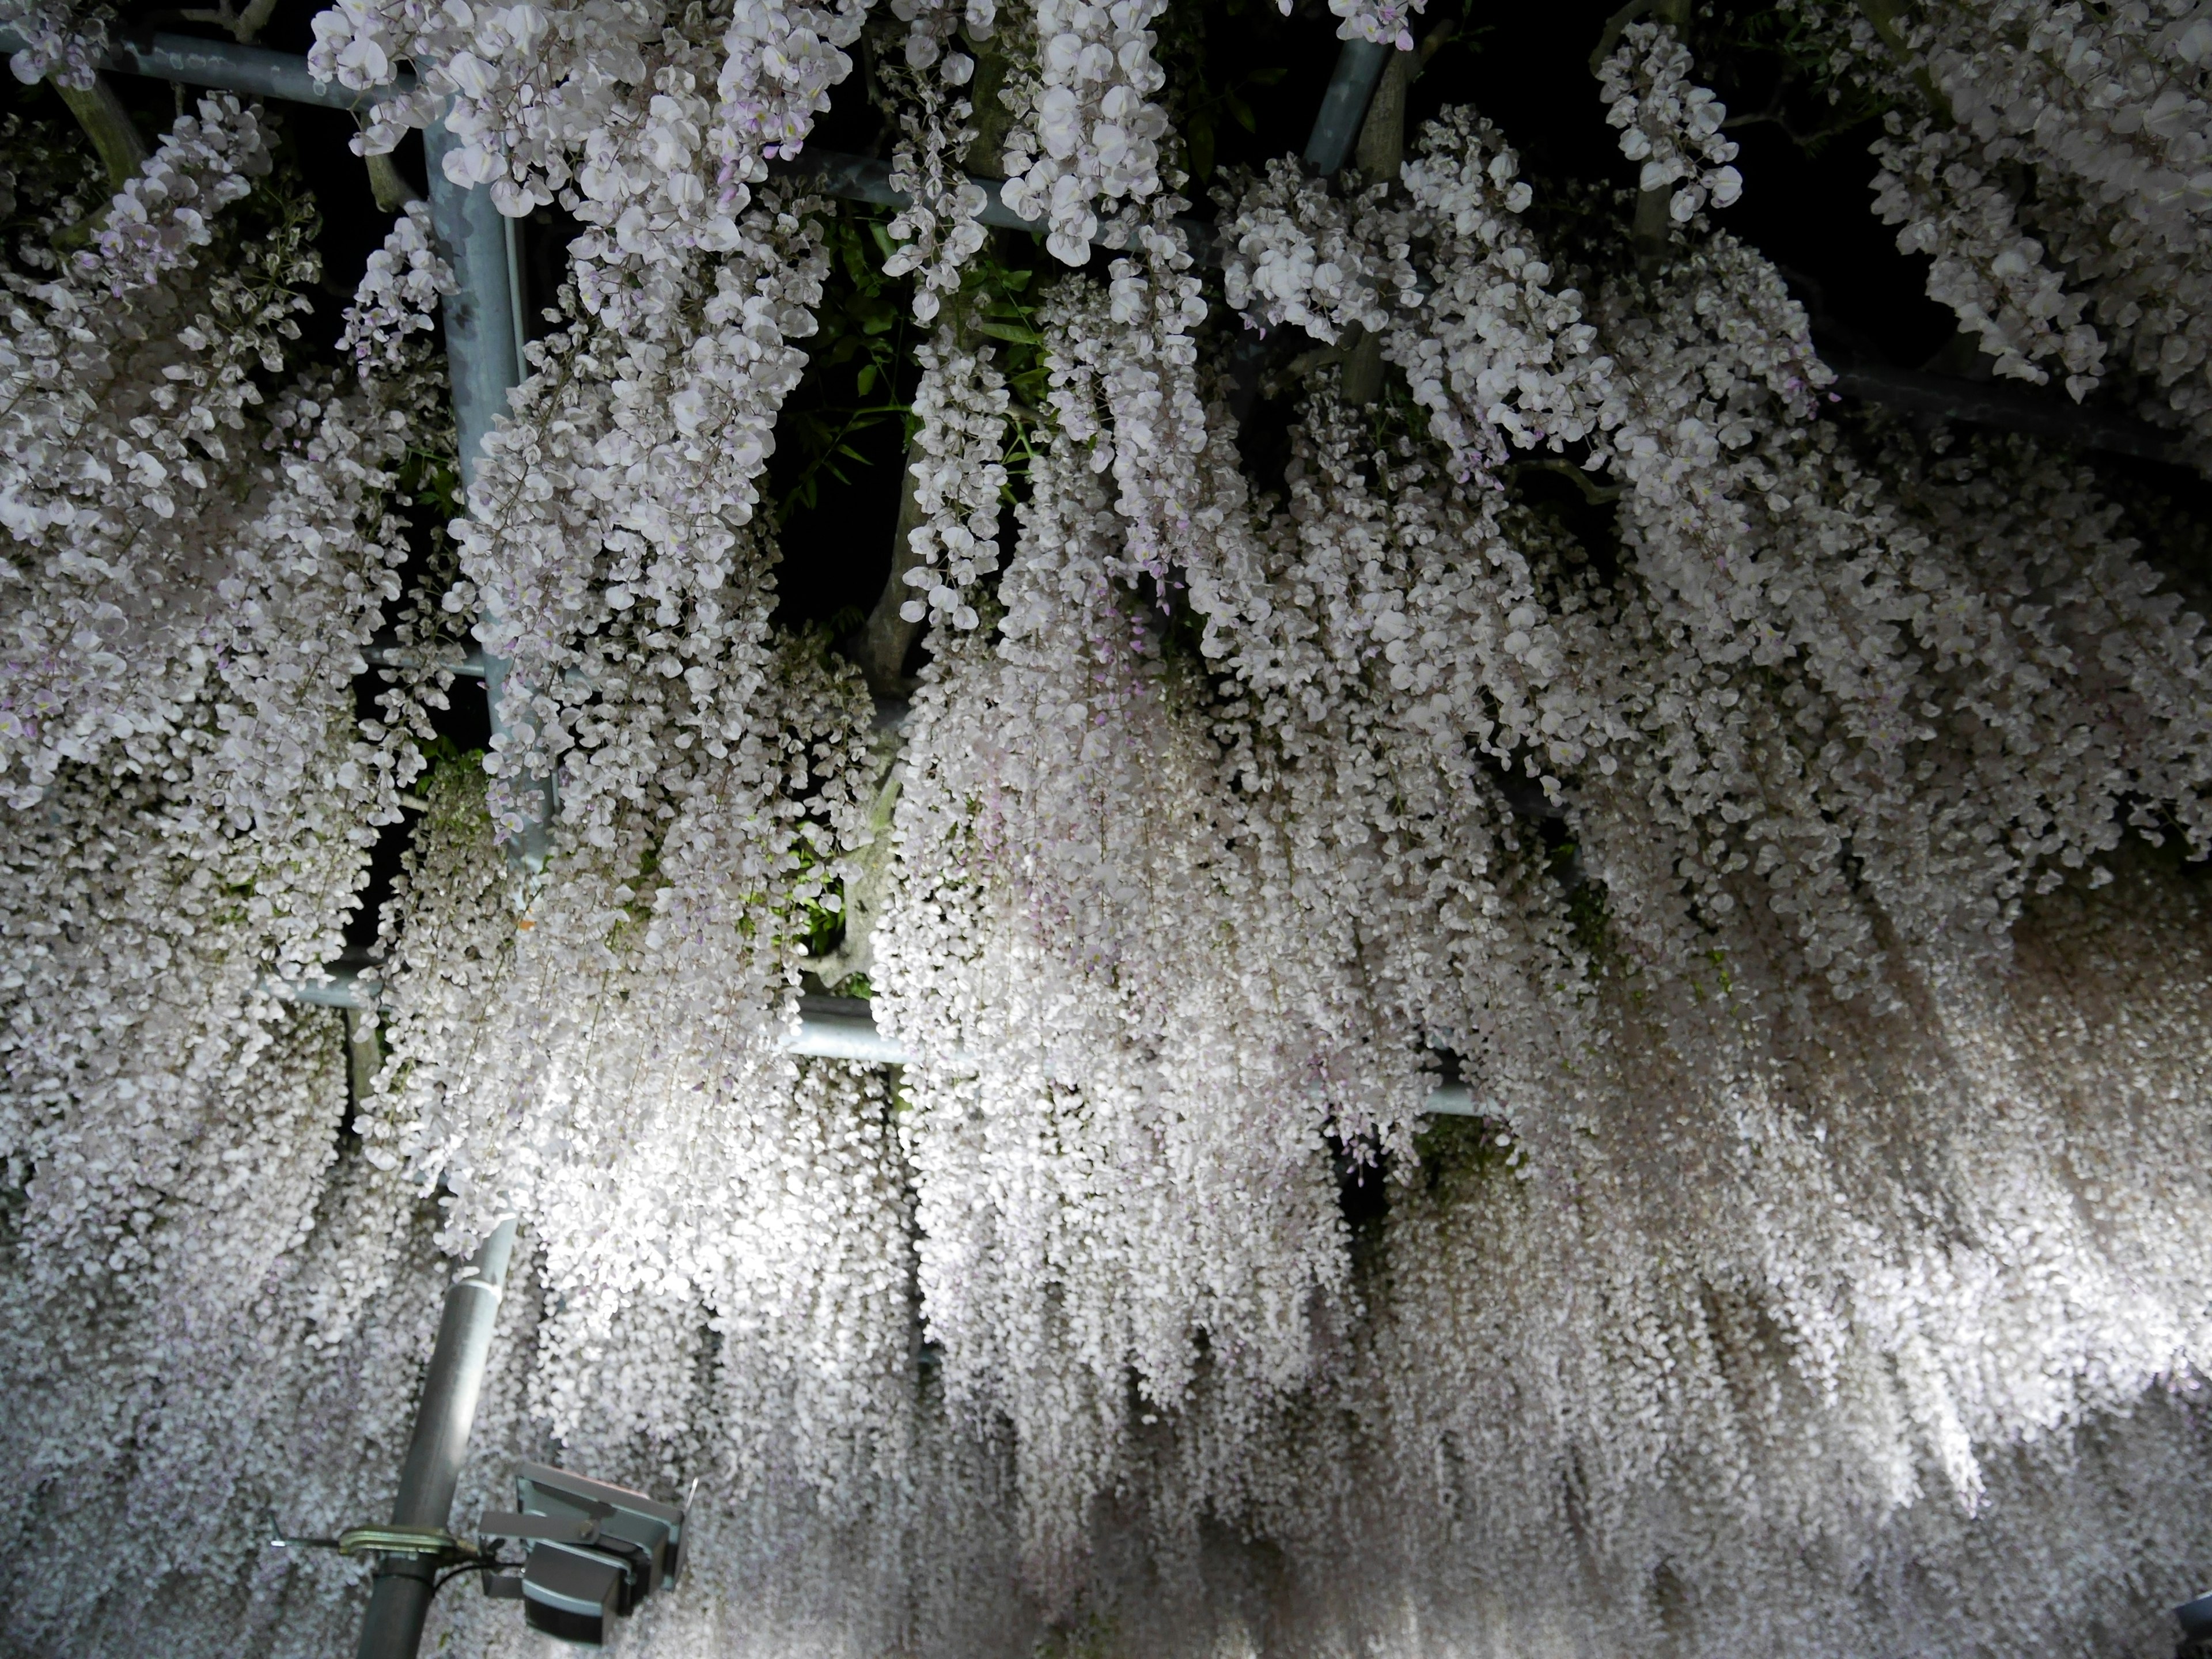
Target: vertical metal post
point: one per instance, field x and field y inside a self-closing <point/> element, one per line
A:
<point x="399" y="1599"/>
<point x="483" y="357"/>
<point x="1343" y="106"/>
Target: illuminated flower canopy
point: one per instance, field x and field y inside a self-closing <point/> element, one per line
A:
<point x="1554" y="987"/>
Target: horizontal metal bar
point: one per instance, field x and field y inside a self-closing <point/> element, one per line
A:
<point x="864" y="179"/>
<point x="2007" y="409"/>
<point x="844" y="1028"/>
<point x="339" y="991"/>
<point x="469" y="666"/>
<point x="829" y="1028"/>
<point x="227" y="66"/>
<point x="1452" y="1100"/>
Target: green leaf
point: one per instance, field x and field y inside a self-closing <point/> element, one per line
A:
<point x="1240" y="110"/>
<point x="864" y="381"/>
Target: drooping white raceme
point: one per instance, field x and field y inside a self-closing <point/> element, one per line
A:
<point x="941" y="228"/>
<point x="168" y="1124"/>
<point x="1151" y="944"/>
<point x="2051" y="159"/>
<point x="520" y="86"/>
<point x="782" y="60"/>
<point x="128" y="377"/>
<point x="61" y="43"/>
<point x="610" y="588"/>
<point x="1086" y="137"/>
<point x="1404" y="682"/>
<point x="1296" y="252"/>
<point x="1985" y="268"/>
<point x="1125" y="383"/>
<point x="1112" y="1176"/>
<point x="1758" y="1366"/>
<point x="961" y="407"/>
<point x="399" y="295"/>
<point x="1386" y="23"/>
<point x="1668" y="123"/>
<point x="250" y="810"/>
<point x="660" y="117"/>
<point x="182" y="1409"/>
<point x="1938" y="754"/>
<point x="1499" y="358"/>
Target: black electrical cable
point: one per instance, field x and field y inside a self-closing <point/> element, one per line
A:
<point x="452" y="1573"/>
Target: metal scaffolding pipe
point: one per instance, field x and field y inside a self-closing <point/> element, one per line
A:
<point x="1343" y="106"/>
<point x="263" y="73"/>
<point x="227" y="66"/>
<point x="2007" y="409"/>
<point x="829" y="1028"/>
<point x="484" y="363"/>
<point x="399" y="1598"/>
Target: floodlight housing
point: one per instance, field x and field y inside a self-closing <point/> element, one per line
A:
<point x="572" y="1596"/>
<point x="2195" y="1619"/>
<point x="625" y="1545"/>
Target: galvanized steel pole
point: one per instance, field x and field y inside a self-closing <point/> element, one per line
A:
<point x="483" y="359"/>
<point x="399" y="1598"/>
<point x="1343" y="106"/>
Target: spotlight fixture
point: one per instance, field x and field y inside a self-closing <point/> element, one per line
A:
<point x="2195" y="1621"/>
<point x="592" y="1552"/>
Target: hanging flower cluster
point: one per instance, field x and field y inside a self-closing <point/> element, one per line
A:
<point x="63" y="43"/>
<point x="607" y="538"/>
<point x="1666" y="123"/>
<point x="520" y="87"/>
<point x="623" y="112"/>
<point x="1385" y="22"/>
<point x="1089" y="136"/>
<point x="1770" y="863"/>
<point x="2052" y="162"/>
<point x="169" y="1121"/>
<point x="941" y="228"/>
<point x="1497" y="356"/>
<point x="132" y="371"/>
<point x="1295" y="253"/>
<point x="961" y="405"/>
<point x="1749" y="1351"/>
<point x="398" y="295"/>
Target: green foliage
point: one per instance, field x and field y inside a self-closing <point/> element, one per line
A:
<point x="453" y="781"/>
<point x="1811" y="99"/>
<point x="857" y="358"/>
<point x="999" y="301"/>
<point x="1086" y="1635"/>
<point x="1456" y="1151"/>
<point x="819" y="923"/>
<point x="860" y="360"/>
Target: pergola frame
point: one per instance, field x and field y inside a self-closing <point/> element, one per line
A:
<point x="484" y="334"/>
